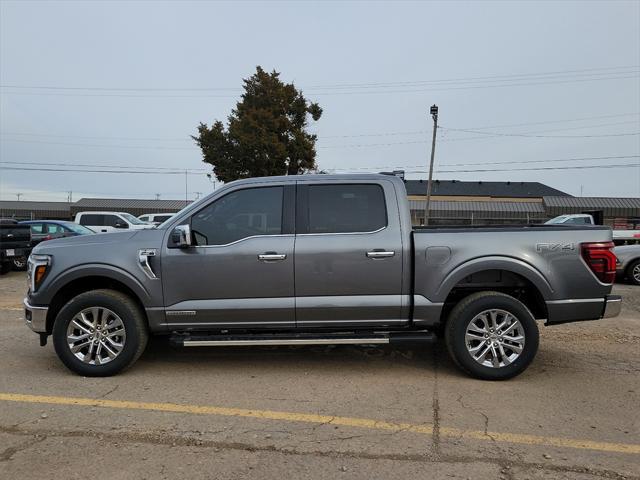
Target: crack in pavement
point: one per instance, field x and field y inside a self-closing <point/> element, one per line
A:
<point x="486" y="418"/>
<point x="110" y="391"/>
<point x="173" y="441"/>
<point x="435" y="436"/>
<point x="9" y="452"/>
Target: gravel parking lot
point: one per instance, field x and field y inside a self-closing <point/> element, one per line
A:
<point x="330" y="412"/>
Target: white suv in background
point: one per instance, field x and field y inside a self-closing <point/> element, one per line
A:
<point x="103" y="222"/>
<point x="155" y="218"/>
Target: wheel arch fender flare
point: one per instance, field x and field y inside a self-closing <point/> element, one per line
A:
<point x="99" y="270"/>
<point x="481" y="264"/>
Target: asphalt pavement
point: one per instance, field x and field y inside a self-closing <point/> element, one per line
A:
<point x="323" y="412"/>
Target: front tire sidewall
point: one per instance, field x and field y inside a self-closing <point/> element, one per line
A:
<point x="457" y="327"/>
<point x="125" y="310"/>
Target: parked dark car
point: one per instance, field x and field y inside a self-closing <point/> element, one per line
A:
<point x="15" y="244"/>
<point x="42" y="230"/>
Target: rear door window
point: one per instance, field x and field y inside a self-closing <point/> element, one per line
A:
<point x="92" y="219"/>
<point x="36" y="228"/>
<point x="53" y="228"/>
<point x="346" y="208"/>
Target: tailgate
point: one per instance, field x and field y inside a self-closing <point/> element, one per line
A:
<point x="15" y="236"/>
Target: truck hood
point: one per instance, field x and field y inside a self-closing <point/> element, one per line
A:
<point x="152" y="236"/>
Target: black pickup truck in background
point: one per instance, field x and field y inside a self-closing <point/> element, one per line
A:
<point x="15" y="244"/>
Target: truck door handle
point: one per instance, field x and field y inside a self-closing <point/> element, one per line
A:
<point x="271" y="257"/>
<point x="378" y="253"/>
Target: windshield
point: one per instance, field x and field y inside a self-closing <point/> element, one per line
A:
<point x="79" y="229"/>
<point x="560" y="219"/>
<point x="132" y="220"/>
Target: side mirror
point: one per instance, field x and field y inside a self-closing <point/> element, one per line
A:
<point x="181" y="236"/>
<point x="121" y="225"/>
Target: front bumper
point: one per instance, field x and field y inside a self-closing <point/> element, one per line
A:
<point x="35" y="317"/>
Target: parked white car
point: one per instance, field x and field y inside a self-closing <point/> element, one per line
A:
<point x="620" y="237"/>
<point x="103" y="222"/>
<point x="155" y="218"/>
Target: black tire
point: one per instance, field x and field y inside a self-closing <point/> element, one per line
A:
<point x="462" y="315"/>
<point x="134" y="324"/>
<point x="630" y="276"/>
<point x="5" y="267"/>
<point x="20" y="264"/>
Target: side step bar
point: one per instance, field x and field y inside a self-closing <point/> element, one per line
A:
<point x="370" y="338"/>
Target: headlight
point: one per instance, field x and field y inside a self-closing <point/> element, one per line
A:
<point x="38" y="266"/>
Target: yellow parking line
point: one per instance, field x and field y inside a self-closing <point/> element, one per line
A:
<point x="372" y="424"/>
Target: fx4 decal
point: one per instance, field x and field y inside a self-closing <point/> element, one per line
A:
<point x="555" y="247"/>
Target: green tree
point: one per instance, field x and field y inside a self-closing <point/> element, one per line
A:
<point x="266" y="133"/>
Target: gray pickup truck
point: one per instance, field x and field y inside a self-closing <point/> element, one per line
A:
<point x="316" y="259"/>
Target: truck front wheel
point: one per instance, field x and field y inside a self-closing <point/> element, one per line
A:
<point x="491" y="336"/>
<point x="99" y="333"/>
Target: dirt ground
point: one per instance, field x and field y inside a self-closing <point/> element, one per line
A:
<point x="330" y="412"/>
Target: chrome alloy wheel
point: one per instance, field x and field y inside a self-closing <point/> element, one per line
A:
<point x="635" y="273"/>
<point x="96" y="335"/>
<point x="495" y="338"/>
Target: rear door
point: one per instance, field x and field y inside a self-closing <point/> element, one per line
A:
<point x="348" y="255"/>
<point x="94" y="221"/>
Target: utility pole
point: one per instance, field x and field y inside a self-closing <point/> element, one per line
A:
<point x="434" y="115"/>
<point x="70" y="196"/>
<point x="186" y="189"/>
<point x="157" y="196"/>
<point x="18" y="195"/>
<point x="212" y="180"/>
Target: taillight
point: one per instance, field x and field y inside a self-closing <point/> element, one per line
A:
<point x="48" y="237"/>
<point x="601" y="260"/>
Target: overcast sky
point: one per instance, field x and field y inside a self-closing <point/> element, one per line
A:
<point x="126" y="83"/>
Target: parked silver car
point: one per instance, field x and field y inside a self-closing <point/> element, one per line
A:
<point x="628" y="264"/>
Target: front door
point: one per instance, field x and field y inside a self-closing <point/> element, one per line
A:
<point x="239" y="273"/>
<point x="348" y="251"/>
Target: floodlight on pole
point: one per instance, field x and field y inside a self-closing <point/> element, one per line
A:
<point x="434" y="115"/>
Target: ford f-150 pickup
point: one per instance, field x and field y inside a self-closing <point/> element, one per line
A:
<point x="316" y="259"/>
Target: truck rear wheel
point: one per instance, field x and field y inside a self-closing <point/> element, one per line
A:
<point x="491" y="336"/>
<point x="99" y="333"/>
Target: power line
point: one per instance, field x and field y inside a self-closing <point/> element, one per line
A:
<point x="422" y="132"/>
<point x="578" y="167"/>
<point x="546" y="122"/>
<point x="165" y="139"/>
<point x="630" y="75"/>
<point x="143" y="147"/>
<point x="321" y="137"/>
<point x="78" y="170"/>
<point x="514" y="162"/>
<point x="503" y="134"/>
<point x="62" y="164"/>
<point x="182" y="172"/>
<point x="204" y="170"/>
<point x="503" y="77"/>
<point x="491" y="77"/>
